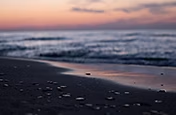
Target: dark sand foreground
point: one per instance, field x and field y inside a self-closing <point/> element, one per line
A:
<point x="33" y="88"/>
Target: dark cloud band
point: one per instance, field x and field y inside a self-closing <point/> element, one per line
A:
<point x="76" y="9"/>
<point x="153" y="7"/>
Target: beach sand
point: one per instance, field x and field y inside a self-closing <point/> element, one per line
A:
<point x="35" y="88"/>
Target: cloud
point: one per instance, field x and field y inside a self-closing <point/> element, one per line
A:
<point x="154" y="8"/>
<point x="132" y="23"/>
<point x="86" y="2"/>
<point x="76" y="9"/>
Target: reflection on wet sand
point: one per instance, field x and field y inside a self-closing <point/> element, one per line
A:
<point x="148" y="77"/>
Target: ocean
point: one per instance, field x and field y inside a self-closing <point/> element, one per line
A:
<point x="139" y="47"/>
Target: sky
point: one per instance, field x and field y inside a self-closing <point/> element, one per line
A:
<point x="87" y="14"/>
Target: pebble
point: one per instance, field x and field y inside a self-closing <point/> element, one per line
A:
<point x="21" y="90"/>
<point x="117" y="93"/>
<point x="60" y="97"/>
<point x="66" y="95"/>
<point x="80" y="99"/>
<point x="50" y="82"/>
<point x="127" y="92"/>
<point x="89" y="105"/>
<point x="63" y="86"/>
<point x="39" y="97"/>
<point x="158" y="101"/>
<point x="162" y="91"/>
<point x="54" y="82"/>
<point x="126" y="105"/>
<point x="6" y="85"/>
<point x="1" y="80"/>
<point x="112" y="91"/>
<point x="88" y="73"/>
<point x="110" y="98"/>
<point x="112" y="106"/>
<point x="39" y="88"/>
<point x="138" y="104"/>
<point x="35" y="83"/>
<point x="97" y="108"/>
<point x="47" y="89"/>
<point x="59" y="88"/>
<point x="48" y="94"/>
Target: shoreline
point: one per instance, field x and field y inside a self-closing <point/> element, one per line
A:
<point x="136" y="76"/>
<point x="29" y="88"/>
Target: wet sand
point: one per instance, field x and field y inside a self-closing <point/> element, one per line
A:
<point x="34" y="88"/>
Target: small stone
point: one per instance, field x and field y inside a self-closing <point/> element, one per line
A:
<point x="66" y="95"/>
<point x="112" y="106"/>
<point x="54" y="82"/>
<point x="21" y="90"/>
<point x="47" y="89"/>
<point x="117" y="93"/>
<point x="39" y="88"/>
<point x="63" y="86"/>
<point x="88" y="73"/>
<point x="6" y="85"/>
<point x="97" y="108"/>
<point x="127" y="93"/>
<point x="80" y="99"/>
<point x="112" y="91"/>
<point x="162" y="73"/>
<point x="138" y="104"/>
<point x="110" y="98"/>
<point x="39" y="97"/>
<point x="48" y="94"/>
<point x="35" y="83"/>
<point x="1" y="80"/>
<point x="162" y="91"/>
<point x="89" y="105"/>
<point x="126" y="105"/>
<point x="60" y="97"/>
<point x="59" y="88"/>
<point x="158" y="101"/>
<point x="162" y="84"/>
<point x="50" y="82"/>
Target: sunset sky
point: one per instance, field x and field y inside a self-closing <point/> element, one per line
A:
<point x="87" y="14"/>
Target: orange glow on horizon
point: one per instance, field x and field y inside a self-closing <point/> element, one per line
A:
<point x="53" y="13"/>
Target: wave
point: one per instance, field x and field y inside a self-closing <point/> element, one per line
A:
<point x="70" y="54"/>
<point x="45" y="38"/>
<point x="8" y="48"/>
<point x="150" y="34"/>
<point x="86" y="56"/>
<point x="118" y="40"/>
